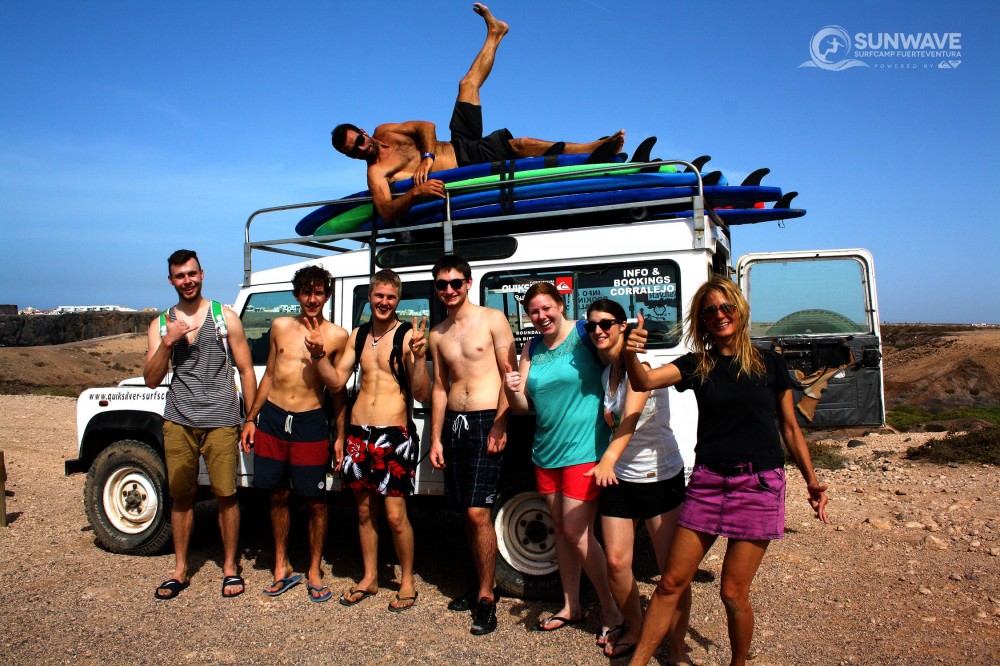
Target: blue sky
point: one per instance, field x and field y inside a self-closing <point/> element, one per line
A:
<point x="128" y="130"/>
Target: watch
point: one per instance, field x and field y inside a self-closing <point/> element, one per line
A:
<point x="430" y="155"/>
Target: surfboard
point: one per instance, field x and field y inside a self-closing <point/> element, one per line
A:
<point x="566" y="180"/>
<point x="352" y="219"/>
<point x="497" y="170"/>
<point x="561" y="197"/>
<point x="734" y="216"/>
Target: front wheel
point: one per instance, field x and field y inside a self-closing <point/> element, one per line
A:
<point x="126" y="499"/>
<point x="526" y="540"/>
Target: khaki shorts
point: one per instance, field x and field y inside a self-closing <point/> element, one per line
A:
<point x="182" y="445"/>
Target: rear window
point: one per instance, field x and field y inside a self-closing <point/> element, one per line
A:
<point x="817" y="296"/>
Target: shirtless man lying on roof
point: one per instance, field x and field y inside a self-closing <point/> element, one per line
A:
<point x="397" y="151"/>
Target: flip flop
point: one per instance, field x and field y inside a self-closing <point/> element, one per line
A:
<point x="231" y="581"/>
<point x="399" y="609"/>
<point x="284" y="584"/>
<point x="627" y="649"/>
<point x="605" y="634"/>
<point x="173" y="588"/>
<point x="324" y="596"/>
<point x="564" y="622"/>
<point x="345" y="600"/>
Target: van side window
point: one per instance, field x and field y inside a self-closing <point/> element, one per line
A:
<point x="258" y="313"/>
<point x="417" y="300"/>
<point x="652" y="288"/>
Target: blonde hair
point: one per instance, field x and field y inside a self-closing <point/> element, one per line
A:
<point x="700" y="340"/>
<point x="388" y="277"/>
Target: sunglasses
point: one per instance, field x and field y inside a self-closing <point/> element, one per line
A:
<point x="605" y="325"/>
<point x="712" y="310"/>
<point x="455" y="284"/>
<point x="359" y="141"/>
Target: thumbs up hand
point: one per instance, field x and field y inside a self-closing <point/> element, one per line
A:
<point x="511" y="378"/>
<point x="637" y="337"/>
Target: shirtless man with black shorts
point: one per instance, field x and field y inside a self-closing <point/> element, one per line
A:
<point x="376" y="452"/>
<point x="469" y="422"/>
<point x="397" y="151"/>
<point x="289" y="429"/>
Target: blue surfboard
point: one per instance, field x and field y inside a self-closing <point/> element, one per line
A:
<point x="311" y="222"/>
<point x="734" y="216"/>
<point x="721" y="195"/>
<point x="513" y="191"/>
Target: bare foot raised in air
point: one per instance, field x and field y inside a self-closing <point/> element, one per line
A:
<point x="617" y="140"/>
<point x="493" y="24"/>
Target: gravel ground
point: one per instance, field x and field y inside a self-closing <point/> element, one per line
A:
<point x="906" y="574"/>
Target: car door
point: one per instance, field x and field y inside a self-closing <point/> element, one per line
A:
<point x="819" y="310"/>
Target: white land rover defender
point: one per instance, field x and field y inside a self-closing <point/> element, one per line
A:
<point x="816" y="308"/>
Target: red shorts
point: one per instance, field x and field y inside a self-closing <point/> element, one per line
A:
<point x="569" y="481"/>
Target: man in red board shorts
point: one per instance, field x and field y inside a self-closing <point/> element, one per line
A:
<point x="289" y="429"/>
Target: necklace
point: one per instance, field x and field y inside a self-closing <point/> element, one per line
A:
<point x="376" y="339"/>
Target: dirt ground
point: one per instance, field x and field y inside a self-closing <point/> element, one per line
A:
<point x="906" y="574"/>
<point x="70" y="368"/>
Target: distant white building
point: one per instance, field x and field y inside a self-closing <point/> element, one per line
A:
<point x="66" y="309"/>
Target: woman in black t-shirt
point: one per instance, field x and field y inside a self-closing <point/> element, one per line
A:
<point x="737" y="488"/>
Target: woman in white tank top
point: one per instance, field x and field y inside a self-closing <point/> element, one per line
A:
<point x="641" y="477"/>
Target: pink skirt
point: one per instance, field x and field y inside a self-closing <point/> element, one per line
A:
<point x="743" y="506"/>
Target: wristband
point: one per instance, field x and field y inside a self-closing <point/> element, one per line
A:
<point x="430" y="155"/>
<point x="318" y="356"/>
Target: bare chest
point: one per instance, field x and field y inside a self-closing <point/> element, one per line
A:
<point x="292" y="355"/>
<point x="467" y="345"/>
<point x="375" y="355"/>
<point x="399" y="157"/>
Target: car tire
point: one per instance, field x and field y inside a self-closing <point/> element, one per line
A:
<point x="526" y="563"/>
<point x="126" y="499"/>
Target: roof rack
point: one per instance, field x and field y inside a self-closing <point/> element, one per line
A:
<point x="331" y="243"/>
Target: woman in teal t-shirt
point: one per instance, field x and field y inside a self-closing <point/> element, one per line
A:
<point x="560" y="376"/>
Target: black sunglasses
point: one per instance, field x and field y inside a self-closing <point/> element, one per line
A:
<point x="359" y="141"/>
<point x="605" y="325"/>
<point x="455" y="284"/>
<point x="712" y="310"/>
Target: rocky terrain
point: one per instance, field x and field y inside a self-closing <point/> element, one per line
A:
<point x="907" y="573"/>
<point x="926" y="366"/>
<point x="35" y="330"/>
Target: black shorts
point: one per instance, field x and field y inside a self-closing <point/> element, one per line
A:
<point x="291" y="446"/>
<point x="470" y="473"/>
<point x="641" y="501"/>
<point x="471" y="147"/>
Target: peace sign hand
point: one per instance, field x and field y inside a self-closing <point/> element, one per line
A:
<point x="637" y="337"/>
<point x="418" y="340"/>
<point x="313" y="339"/>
